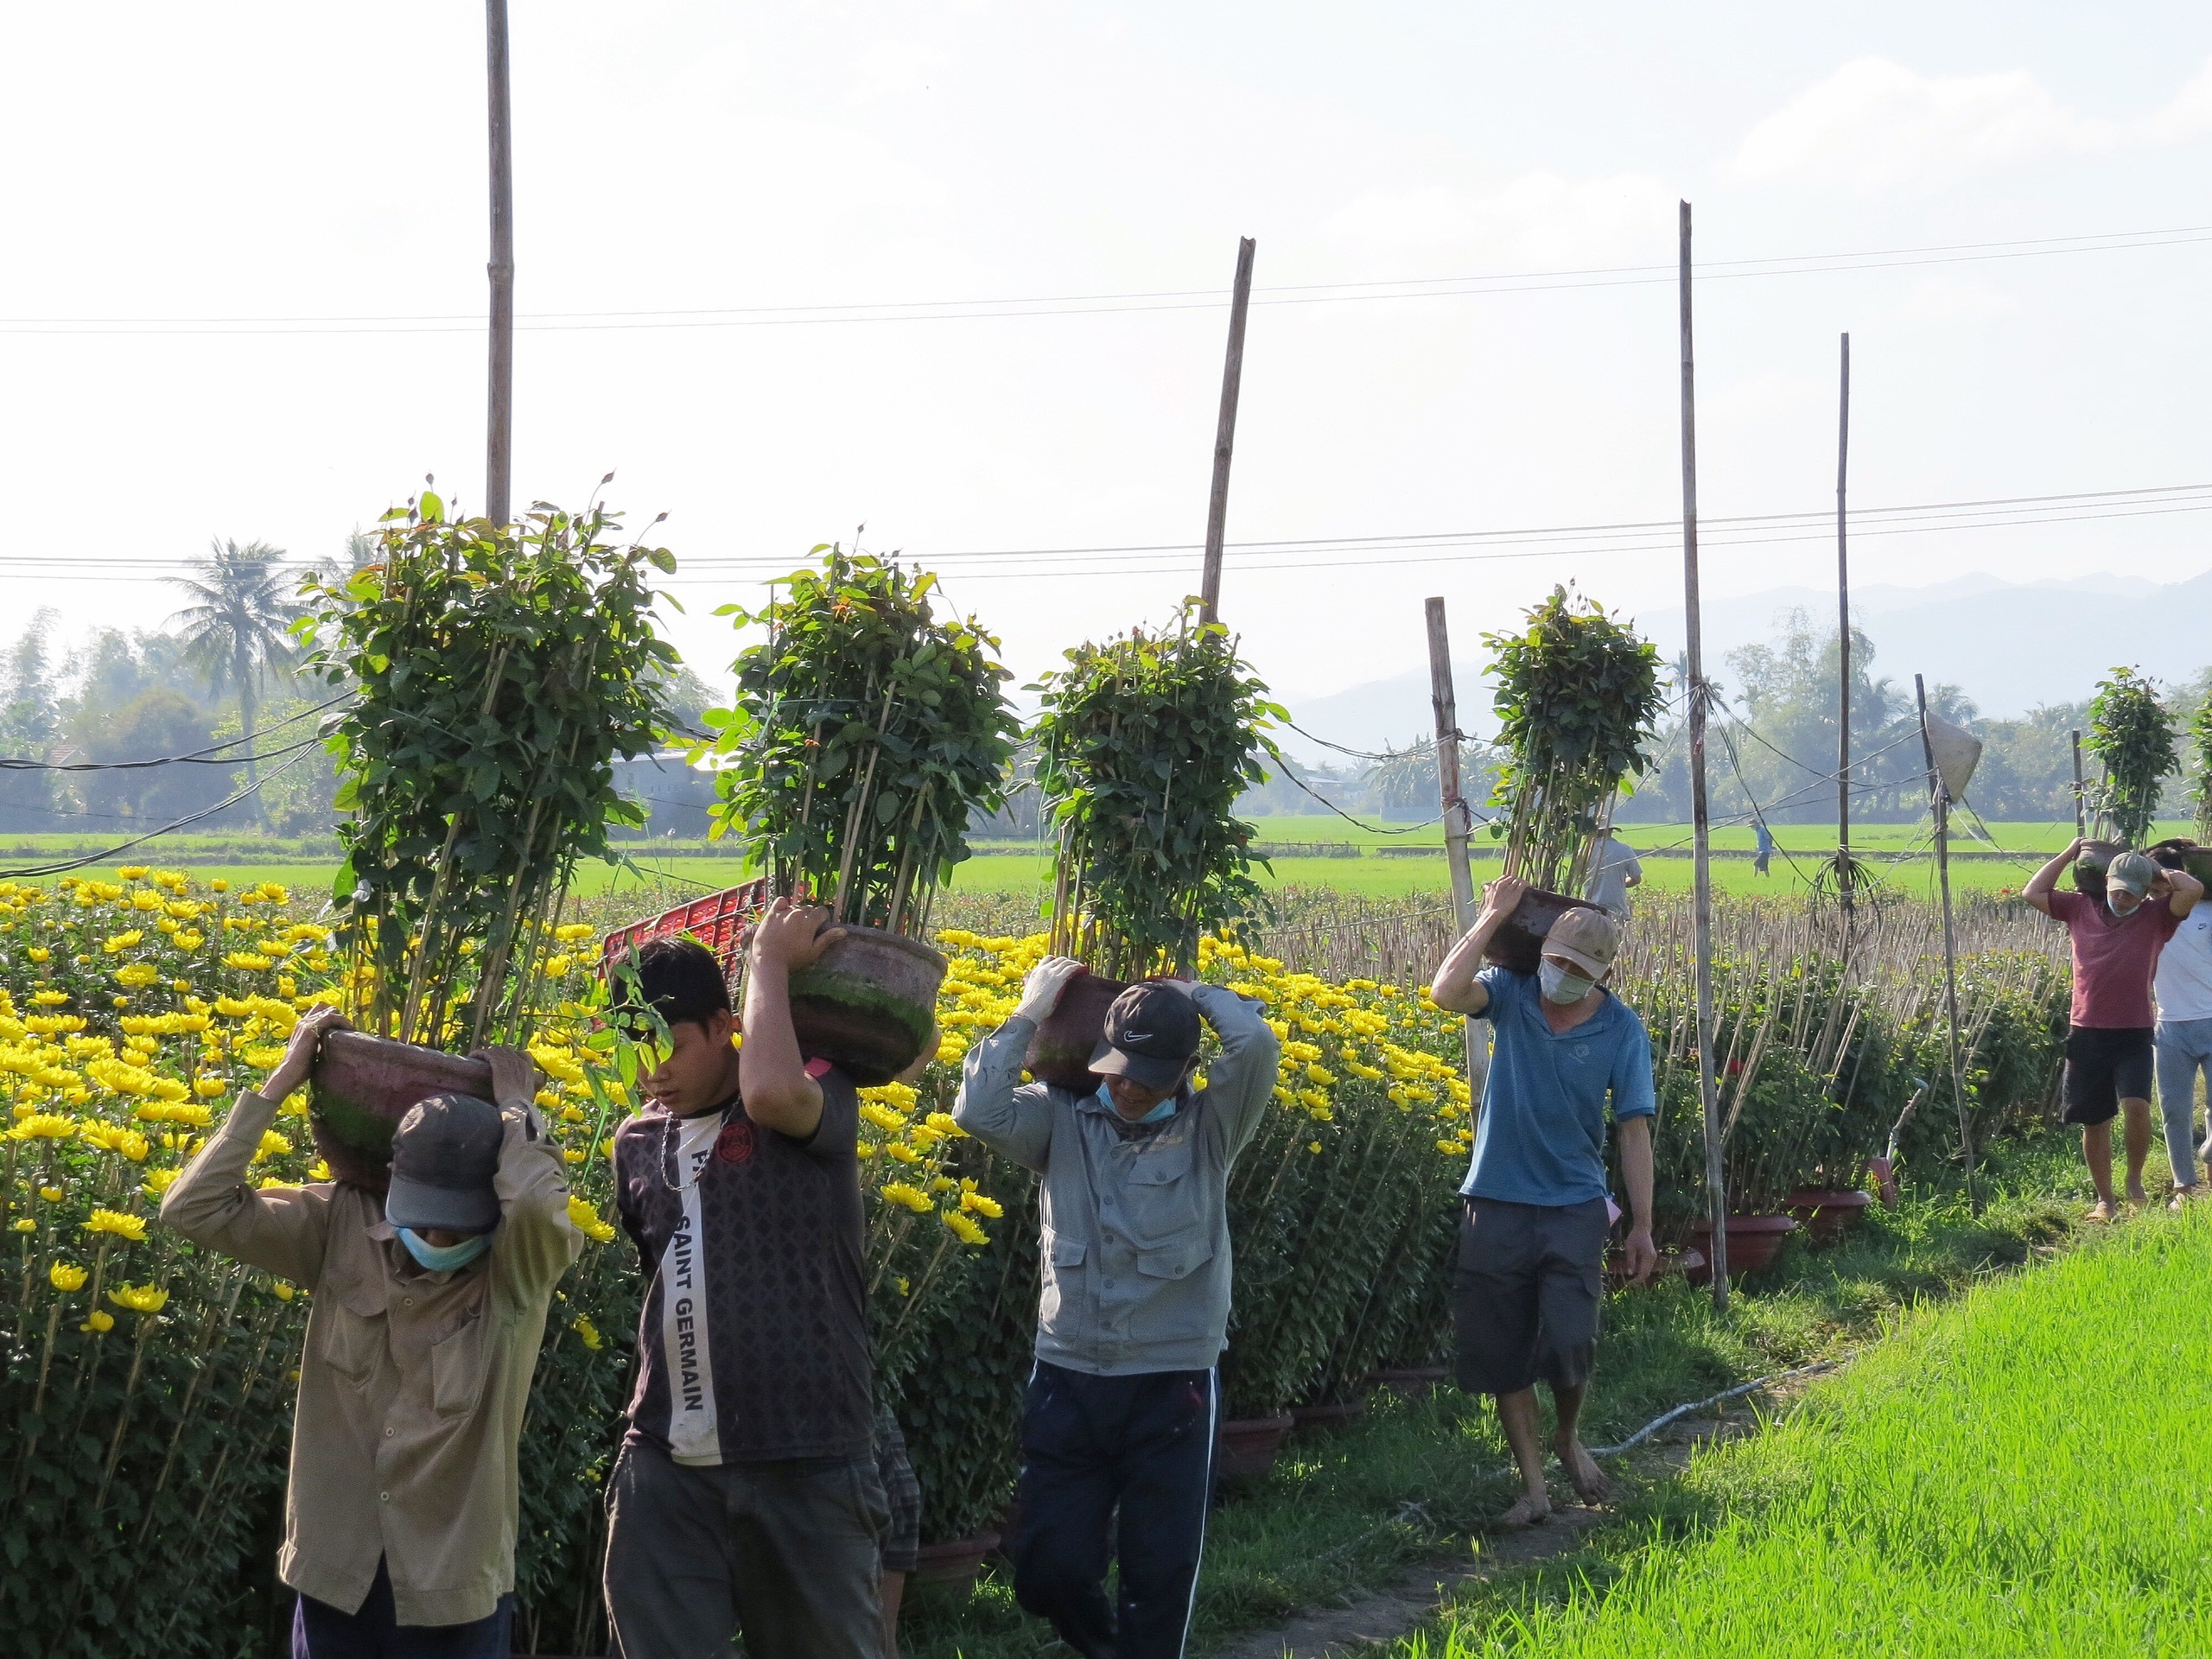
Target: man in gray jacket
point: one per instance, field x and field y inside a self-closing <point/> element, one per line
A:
<point x="1133" y="1184"/>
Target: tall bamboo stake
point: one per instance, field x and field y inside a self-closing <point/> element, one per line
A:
<point x="1456" y="820"/>
<point x="2081" y="796"/>
<point x="1224" y="435"/>
<point x="499" y="439"/>
<point x="1701" y="829"/>
<point x="1939" y="796"/>
<point x="1843" y="652"/>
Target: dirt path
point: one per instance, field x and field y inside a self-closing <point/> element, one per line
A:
<point x="1377" y="1619"/>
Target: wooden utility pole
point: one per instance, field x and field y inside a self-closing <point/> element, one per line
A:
<point x="1939" y="795"/>
<point x="1701" y="829"/>
<point x="1224" y="432"/>
<point x="1457" y="823"/>
<point x="1843" y="650"/>
<point x="499" y="441"/>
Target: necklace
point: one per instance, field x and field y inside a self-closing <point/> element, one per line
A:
<point x="671" y="1143"/>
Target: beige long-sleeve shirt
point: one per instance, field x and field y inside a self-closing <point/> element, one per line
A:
<point x="413" y="1384"/>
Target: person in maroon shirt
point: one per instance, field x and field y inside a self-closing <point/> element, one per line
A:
<point x="2116" y="936"/>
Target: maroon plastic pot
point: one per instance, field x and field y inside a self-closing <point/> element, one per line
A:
<point x="868" y="1004"/>
<point x="1060" y="1051"/>
<point x="1826" y="1213"/>
<point x="955" y="1562"/>
<point x="1246" y="1446"/>
<point x="1753" y="1243"/>
<point x="1518" y="944"/>
<point x="363" y="1085"/>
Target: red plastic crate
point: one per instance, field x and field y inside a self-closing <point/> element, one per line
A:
<point x="717" y="921"/>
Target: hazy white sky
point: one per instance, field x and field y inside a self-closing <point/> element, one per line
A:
<point x="258" y="161"/>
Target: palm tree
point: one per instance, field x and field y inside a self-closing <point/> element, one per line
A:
<point x="237" y="633"/>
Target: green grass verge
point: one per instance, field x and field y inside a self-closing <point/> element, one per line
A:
<point x="1349" y="1510"/>
<point x="2019" y="1474"/>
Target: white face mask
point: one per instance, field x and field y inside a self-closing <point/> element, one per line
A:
<point x="1560" y="986"/>
<point x="2113" y="897"/>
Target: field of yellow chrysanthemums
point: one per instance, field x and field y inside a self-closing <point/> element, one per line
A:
<point x="148" y="1385"/>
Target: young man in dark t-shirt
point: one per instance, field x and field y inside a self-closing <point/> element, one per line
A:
<point x="2117" y="936"/>
<point x="745" y="1498"/>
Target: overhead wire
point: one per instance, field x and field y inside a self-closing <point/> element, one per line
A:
<point x="62" y="866"/>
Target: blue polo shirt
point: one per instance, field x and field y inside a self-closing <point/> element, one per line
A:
<point x="1543" y="1138"/>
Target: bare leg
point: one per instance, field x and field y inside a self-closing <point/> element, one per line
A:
<point x="893" y="1586"/>
<point x="2137" y="1114"/>
<point x="2096" y="1151"/>
<point x="1582" y="1470"/>
<point x="1516" y="1413"/>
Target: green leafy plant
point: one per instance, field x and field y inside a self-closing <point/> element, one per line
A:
<point x="1577" y="695"/>
<point x="500" y="672"/>
<point x="1144" y="744"/>
<point x="2200" y="766"/>
<point x="866" y="732"/>
<point x="2132" y="735"/>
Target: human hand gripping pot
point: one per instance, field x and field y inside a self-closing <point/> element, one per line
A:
<point x="1040" y="990"/>
<point x="771" y="1072"/>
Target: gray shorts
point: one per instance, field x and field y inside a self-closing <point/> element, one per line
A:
<point x="788" y="1553"/>
<point x="1525" y="1295"/>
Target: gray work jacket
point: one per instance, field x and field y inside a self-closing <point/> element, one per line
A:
<point x="1135" y="1247"/>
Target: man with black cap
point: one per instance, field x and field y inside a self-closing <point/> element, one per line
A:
<point x="1122" y="1405"/>
<point x="430" y="1304"/>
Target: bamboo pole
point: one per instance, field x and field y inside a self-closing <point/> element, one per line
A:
<point x="1445" y="703"/>
<point x="1701" y="829"/>
<point x="1224" y="435"/>
<point x="1939" y="795"/>
<point x="498" y="439"/>
<point x="2081" y="798"/>
<point x="1843" y="651"/>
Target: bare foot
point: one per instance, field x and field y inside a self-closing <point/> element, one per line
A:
<point x="1527" y="1512"/>
<point x="1583" y="1473"/>
<point x="2101" y="1211"/>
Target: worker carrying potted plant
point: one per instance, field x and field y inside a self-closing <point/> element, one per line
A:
<point x="429" y="1307"/>
<point x="1532" y="1232"/>
<point x="1133" y="1188"/>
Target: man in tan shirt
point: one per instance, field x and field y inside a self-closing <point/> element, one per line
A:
<point x="429" y="1307"/>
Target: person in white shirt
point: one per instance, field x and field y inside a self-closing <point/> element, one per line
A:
<point x="1615" y="868"/>
<point x="2183" y="1036"/>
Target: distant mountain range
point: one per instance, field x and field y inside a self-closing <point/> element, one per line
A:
<point x="2011" y="645"/>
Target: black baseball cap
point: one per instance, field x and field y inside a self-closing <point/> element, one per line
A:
<point x="1152" y="1032"/>
<point x="443" y="1157"/>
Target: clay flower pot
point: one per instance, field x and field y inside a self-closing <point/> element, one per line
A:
<point x="1411" y="1381"/>
<point x="1246" y="1446"/>
<point x="955" y="1562"/>
<point x="363" y="1085"/>
<point x="1753" y="1243"/>
<point x="1519" y="944"/>
<point x="1333" y="1416"/>
<point x="1826" y="1213"/>
<point x="868" y="1004"/>
<point x="1690" y="1263"/>
<point x="1060" y="1051"/>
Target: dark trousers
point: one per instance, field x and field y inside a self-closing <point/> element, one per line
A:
<point x="1089" y="1443"/>
<point x="321" y="1631"/>
<point x="785" y="1554"/>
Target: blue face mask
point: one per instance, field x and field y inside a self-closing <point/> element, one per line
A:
<point x="1158" y="1114"/>
<point x="443" y="1258"/>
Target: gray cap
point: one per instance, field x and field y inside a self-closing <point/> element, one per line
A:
<point x="2132" y="872"/>
<point x="443" y="1157"/>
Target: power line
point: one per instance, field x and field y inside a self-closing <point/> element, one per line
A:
<point x="1096" y="304"/>
<point x="211" y="756"/>
<point x="65" y="865"/>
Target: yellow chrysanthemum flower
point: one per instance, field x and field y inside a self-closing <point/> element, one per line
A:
<point x="64" y="1276"/>
<point x="911" y="1198"/>
<point x="983" y="1205"/>
<point x="588" y="1221"/>
<point x="99" y="1322"/>
<point x="139" y="1298"/>
<point x="964" y="1229"/>
<point x="588" y="1333"/>
<point x="118" y="1224"/>
<point x="43" y="1126"/>
<point x="158" y="1181"/>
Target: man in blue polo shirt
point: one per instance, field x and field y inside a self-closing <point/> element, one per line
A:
<point x="1532" y="1234"/>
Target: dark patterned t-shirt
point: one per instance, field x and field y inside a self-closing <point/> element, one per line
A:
<point x="752" y="1342"/>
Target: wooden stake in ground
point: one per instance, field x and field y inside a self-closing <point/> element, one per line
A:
<point x="2081" y="795"/>
<point x="1939" y="795"/>
<point x="1457" y="824"/>
<point x="1843" y="650"/>
<point x="1701" y="829"/>
<point x="1224" y="433"/>
<point x="499" y="441"/>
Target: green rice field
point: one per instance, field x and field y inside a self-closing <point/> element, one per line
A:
<point x="1318" y="851"/>
<point x="2020" y="1473"/>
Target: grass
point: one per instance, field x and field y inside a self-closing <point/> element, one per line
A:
<point x="1349" y="1510"/>
<point x="1384" y="866"/>
<point x="2020" y="1473"/>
